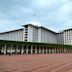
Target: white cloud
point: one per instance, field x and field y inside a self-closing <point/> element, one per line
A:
<point x="68" y="23"/>
<point x="64" y="11"/>
<point x="47" y="4"/>
<point x="4" y="21"/>
<point x="51" y="13"/>
<point x="2" y="15"/>
<point x="6" y="25"/>
<point x="26" y="10"/>
<point x="42" y="4"/>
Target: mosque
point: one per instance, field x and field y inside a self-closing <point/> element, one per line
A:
<point x="32" y="39"/>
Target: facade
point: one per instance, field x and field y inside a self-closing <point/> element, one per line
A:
<point x="68" y="36"/>
<point x="47" y="36"/>
<point x="35" y="40"/>
<point x="32" y="33"/>
<point x="60" y="37"/>
<point x="15" y="35"/>
<point x="65" y="37"/>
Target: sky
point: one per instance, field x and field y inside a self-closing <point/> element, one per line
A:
<point x="52" y="14"/>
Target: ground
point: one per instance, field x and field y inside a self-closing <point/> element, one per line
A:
<point x="36" y="63"/>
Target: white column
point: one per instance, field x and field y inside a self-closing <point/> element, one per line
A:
<point x="64" y="50"/>
<point x="54" y="50"/>
<point x="46" y="49"/>
<point x="26" y="49"/>
<point x="43" y="50"/>
<point x="49" y="49"/>
<point x="5" y="49"/>
<point x="11" y="49"/>
<point x="22" y="50"/>
<point x="16" y="49"/>
<point x="39" y="50"/>
<point x="31" y="49"/>
<point x="35" y="50"/>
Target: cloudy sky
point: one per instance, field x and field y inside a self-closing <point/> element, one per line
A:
<point x="53" y="14"/>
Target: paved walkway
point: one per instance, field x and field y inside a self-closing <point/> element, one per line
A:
<point x="36" y="63"/>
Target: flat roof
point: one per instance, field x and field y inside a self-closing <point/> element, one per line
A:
<point x="31" y="25"/>
<point x="67" y="29"/>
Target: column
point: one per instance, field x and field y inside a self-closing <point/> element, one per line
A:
<point x="59" y="50"/>
<point x="49" y="50"/>
<point x="55" y="49"/>
<point x="26" y="49"/>
<point x="63" y="50"/>
<point x="43" y="50"/>
<point x="31" y="49"/>
<point x="16" y="49"/>
<point x="66" y="50"/>
<point x="52" y="50"/>
<point x="5" y="49"/>
<point x="46" y="49"/>
<point x="22" y="50"/>
<point x="39" y="50"/>
<point x="35" y="50"/>
<point x="11" y="49"/>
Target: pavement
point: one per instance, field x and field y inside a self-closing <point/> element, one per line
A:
<point x="36" y="63"/>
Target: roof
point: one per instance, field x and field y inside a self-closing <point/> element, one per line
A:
<point x="40" y="27"/>
<point x="47" y="29"/>
<point x="30" y="25"/>
<point x="67" y="29"/>
<point x="11" y="31"/>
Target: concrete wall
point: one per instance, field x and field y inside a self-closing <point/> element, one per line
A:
<point x="68" y="37"/>
<point x="13" y="35"/>
<point x="32" y="33"/>
<point x="46" y="36"/>
<point x="60" y="38"/>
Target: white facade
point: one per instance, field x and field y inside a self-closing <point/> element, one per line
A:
<point x="68" y="36"/>
<point x="16" y="35"/>
<point x="60" y="38"/>
<point x="39" y="34"/>
<point x="65" y="37"/>
<point x="46" y="36"/>
<point x="31" y="33"/>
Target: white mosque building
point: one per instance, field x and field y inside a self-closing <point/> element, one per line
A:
<point x="40" y="34"/>
<point x="32" y="39"/>
<point x="30" y="33"/>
